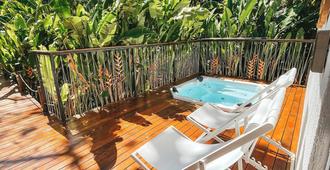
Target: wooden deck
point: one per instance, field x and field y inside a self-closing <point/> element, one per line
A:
<point x="29" y="140"/>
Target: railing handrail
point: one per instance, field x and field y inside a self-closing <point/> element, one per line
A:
<point x="258" y="39"/>
<point x="95" y="77"/>
<point x="86" y="50"/>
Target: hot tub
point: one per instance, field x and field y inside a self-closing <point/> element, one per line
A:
<point x="225" y="93"/>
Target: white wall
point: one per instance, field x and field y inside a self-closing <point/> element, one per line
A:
<point x="313" y="147"/>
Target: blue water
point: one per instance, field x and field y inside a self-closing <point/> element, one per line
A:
<point x="218" y="91"/>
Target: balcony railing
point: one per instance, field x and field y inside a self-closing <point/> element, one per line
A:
<point x="75" y="81"/>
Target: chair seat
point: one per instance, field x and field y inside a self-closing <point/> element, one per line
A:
<point x="211" y="116"/>
<point x="172" y="150"/>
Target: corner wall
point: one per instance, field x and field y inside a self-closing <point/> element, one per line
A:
<point x="314" y="140"/>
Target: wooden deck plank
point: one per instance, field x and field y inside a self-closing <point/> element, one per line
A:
<point x="287" y="135"/>
<point x="270" y="154"/>
<point x="124" y="151"/>
<point x="298" y="122"/>
<point x="30" y="140"/>
<point x="99" y="136"/>
<point x="119" y="134"/>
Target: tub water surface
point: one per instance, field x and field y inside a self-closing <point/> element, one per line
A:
<point x="222" y="92"/>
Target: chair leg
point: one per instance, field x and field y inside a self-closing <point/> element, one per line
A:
<point x="205" y="133"/>
<point x="134" y="156"/>
<point x="279" y="146"/>
<point x="204" y="137"/>
<point x="293" y="163"/>
<point x="257" y="165"/>
<point x="201" y="165"/>
<point x="237" y="130"/>
<point x="240" y="164"/>
<point x="218" y="139"/>
<point x="201" y="138"/>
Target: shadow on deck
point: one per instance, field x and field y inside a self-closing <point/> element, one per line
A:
<point x="105" y="139"/>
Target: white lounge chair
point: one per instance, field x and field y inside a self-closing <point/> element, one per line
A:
<point x="213" y="120"/>
<point x="285" y="80"/>
<point x="172" y="150"/>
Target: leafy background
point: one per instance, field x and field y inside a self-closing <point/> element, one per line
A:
<point x="59" y="24"/>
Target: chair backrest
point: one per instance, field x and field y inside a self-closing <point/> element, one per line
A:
<point x="261" y="122"/>
<point x="268" y="112"/>
<point x="285" y="80"/>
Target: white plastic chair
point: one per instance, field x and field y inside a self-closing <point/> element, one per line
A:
<point x="285" y="80"/>
<point x="213" y="120"/>
<point x="173" y="150"/>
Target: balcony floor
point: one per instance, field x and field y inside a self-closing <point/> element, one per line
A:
<point x="29" y="140"/>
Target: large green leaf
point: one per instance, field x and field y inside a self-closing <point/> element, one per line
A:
<point x="246" y="11"/>
<point x="107" y="28"/>
<point x="271" y="11"/>
<point x="141" y="18"/>
<point x="227" y="21"/>
<point x="137" y="32"/>
<point x="65" y="92"/>
<point x="79" y="30"/>
<point x="48" y="22"/>
<point x="170" y="32"/>
<point x="80" y="11"/>
<point x="62" y="8"/>
<point x="271" y="30"/>
<point x="288" y="21"/>
<point x="283" y="48"/>
<point x="300" y="33"/>
<point x="136" y="35"/>
<point x="12" y="35"/>
<point x="180" y="5"/>
<point x="31" y="3"/>
<point x="155" y="9"/>
<point x="46" y="74"/>
<point x="20" y="22"/>
<point x="229" y="4"/>
<point x="107" y="19"/>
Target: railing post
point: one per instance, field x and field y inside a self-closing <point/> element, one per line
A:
<point x="57" y="90"/>
<point x="42" y="98"/>
<point x="174" y="63"/>
<point x="19" y="84"/>
<point x="41" y="89"/>
<point x="131" y="55"/>
<point x="321" y="50"/>
<point x="201" y="58"/>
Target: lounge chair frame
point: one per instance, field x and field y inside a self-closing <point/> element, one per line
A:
<point x="241" y="113"/>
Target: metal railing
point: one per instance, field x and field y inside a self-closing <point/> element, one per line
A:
<point x="75" y="81"/>
<point x="25" y="85"/>
<point x="257" y="59"/>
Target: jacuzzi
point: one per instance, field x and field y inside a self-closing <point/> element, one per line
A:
<point x="225" y="93"/>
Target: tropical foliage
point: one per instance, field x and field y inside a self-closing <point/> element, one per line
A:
<point x="61" y="24"/>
